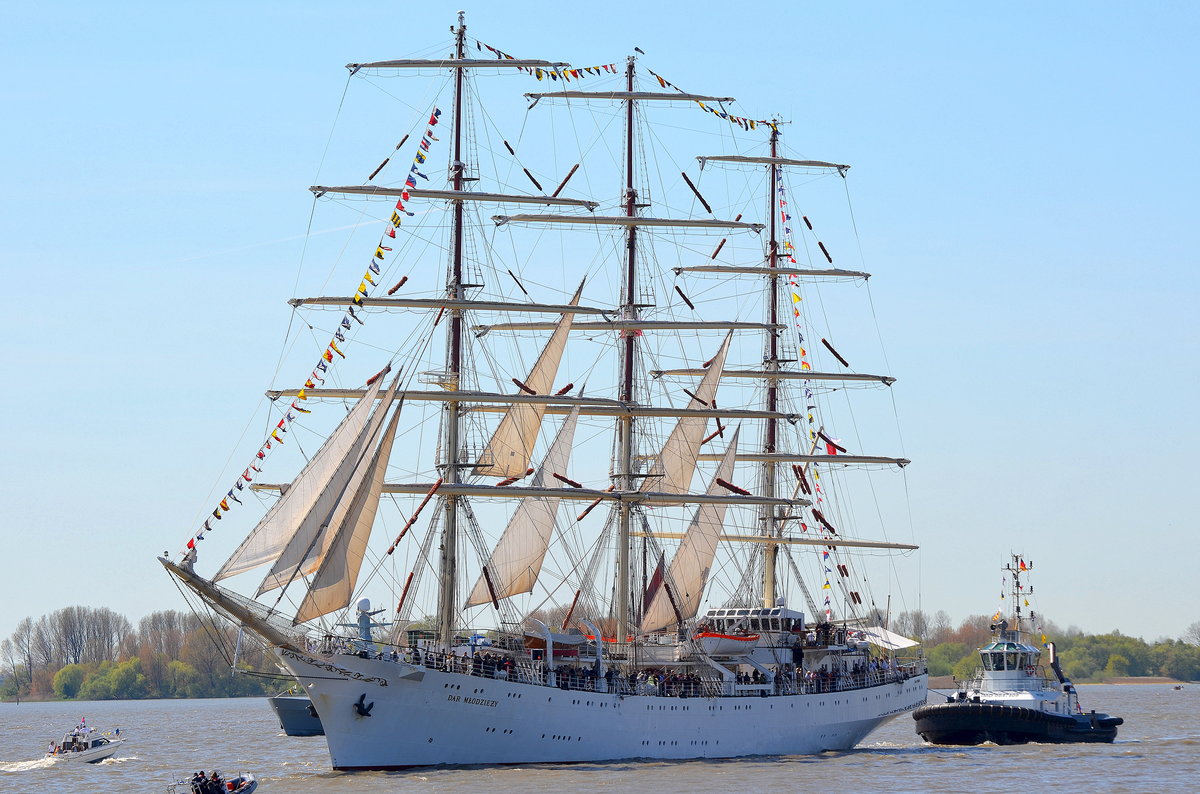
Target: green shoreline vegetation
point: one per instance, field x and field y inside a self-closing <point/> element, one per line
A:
<point x="1085" y="658"/>
<point x="85" y="653"/>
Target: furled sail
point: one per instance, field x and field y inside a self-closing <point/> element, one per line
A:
<point x="303" y="552"/>
<point x="672" y="471"/>
<point x="333" y="586"/>
<point x="517" y="558"/>
<point x="270" y="537"/>
<point x="683" y="587"/>
<point x="507" y="453"/>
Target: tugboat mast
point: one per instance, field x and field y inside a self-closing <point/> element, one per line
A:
<point x="1017" y="567"/>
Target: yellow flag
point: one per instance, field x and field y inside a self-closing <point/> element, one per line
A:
<point x="302" y="395"/>
<point x="367" y="276"/>
<point x="796" y="298"/>
<point x="379" y="253"/>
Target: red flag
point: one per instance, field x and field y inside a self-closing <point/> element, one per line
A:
<point x="191" y="543"/>
<point x="391" y="232"/>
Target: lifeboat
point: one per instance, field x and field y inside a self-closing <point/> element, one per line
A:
<point x="716" y="644"/>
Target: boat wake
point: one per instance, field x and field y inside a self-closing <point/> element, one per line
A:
<point x="26" y="766"/>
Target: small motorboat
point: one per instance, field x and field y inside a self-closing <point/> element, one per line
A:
<point x="86" y="744"/>
<point x="214" y="783"/>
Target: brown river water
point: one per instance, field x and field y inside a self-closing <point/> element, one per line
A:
<point x="1158" y="749"/>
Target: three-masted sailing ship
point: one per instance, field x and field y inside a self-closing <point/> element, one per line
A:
<point x="643" y="565"/>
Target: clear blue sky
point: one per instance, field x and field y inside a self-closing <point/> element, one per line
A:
<point x="1024" y="183"/>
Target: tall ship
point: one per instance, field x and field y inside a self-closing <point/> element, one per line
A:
<point x="585" y="498"/>
<point x="1012" y="698"/>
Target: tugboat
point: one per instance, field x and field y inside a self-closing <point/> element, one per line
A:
<point x="1010" y="699"/>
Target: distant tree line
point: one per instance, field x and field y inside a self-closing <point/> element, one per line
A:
<point x="89" y="653"/>
<point x="1084" y="657"/>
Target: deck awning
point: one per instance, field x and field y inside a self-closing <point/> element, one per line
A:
<point x="878" y="635"/>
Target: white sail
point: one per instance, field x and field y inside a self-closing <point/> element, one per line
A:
<point x="689" y="568"/>
<point x="333" y="586"/>
<point x="303" y="552"/>
<point x="672" y="471"/>
<point x="507" y="453"/>
<point x="517" y="558"/>
<point x="270" y="537"/>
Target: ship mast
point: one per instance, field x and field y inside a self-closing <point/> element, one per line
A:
<point x="625" y="451"/>
<point x="771" y="365"/>
<point x="1017" y="567"/>
<point x="447" y="608"/>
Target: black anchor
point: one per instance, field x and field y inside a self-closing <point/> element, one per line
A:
<point x="363" y="710"/>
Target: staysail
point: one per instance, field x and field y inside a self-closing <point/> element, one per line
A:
<point x="683" y="587"/>
<point x="517" y="558"/>
<point x="303" y="552"/>
<point x="507" y="453"/>
<point x="672" y="471"/>
<point x="270" y="537"/>
<point x="333" y="586"/>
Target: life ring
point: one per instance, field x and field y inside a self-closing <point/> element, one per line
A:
<point x="1029" y="670"/>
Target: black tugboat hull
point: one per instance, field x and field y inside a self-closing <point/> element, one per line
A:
<point x="976" y="723"/>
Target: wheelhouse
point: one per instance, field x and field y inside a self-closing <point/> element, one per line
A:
<point x="1000" y="656"/>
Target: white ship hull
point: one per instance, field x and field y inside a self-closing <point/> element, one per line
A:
<point x="91" y="755"/>
<point x="426" y="717"/>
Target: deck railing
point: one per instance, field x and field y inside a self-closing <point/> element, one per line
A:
<point x="584" y="678"/>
